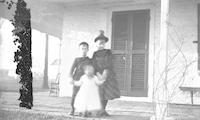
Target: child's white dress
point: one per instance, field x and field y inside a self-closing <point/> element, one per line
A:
<point x="88" y="98"/>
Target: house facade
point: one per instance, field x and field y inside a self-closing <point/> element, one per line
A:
<point x="154" y="43"/>
<point x="134" y="29"/>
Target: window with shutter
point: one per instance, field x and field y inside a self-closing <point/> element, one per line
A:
<point x="130" y="36"/>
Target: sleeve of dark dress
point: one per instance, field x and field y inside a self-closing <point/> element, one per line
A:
<point x="73" y="67"/>
<point x="108" y="59"/>
<point x="108" y="64"/>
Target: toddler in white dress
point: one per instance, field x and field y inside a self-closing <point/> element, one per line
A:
<point x="87" y="102"/>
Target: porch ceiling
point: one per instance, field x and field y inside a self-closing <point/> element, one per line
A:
<point x="92" y="2"/>
<point x="47" y="15"/>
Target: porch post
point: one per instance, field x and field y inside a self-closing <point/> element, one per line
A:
<point x="45" y="80"/>
<point x="161" y="90"/>
<point x="59" y="55"/>
<point x="1" y="41"/>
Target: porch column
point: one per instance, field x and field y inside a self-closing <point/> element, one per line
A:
<point x="45" y="80"/>
<point x="1" y="41"/>
<point x="60" y="44"/>
<point x="161" y="90"/>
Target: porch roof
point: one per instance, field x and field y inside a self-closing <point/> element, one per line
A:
<point x="47" y="15"/>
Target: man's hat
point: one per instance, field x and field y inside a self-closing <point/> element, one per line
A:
<point x="101" y="36"/>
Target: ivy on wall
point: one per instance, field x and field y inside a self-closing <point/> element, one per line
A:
<point x="22" y="33"/>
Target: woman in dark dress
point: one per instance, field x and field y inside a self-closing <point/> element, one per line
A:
<point x="102" y="60"/>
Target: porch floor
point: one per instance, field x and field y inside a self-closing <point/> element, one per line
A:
<point x="60" y="106"/>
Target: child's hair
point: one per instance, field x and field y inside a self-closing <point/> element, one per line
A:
<point x="84" y="43"/>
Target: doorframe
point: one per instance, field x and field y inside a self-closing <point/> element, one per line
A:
<point x="151" y="48"/>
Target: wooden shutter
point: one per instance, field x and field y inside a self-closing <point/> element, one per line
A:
<point x="120" y="31"/>
<point x="138" y="78"/>
<point x="140" y="29"/>
<point x="140" y="38"/>
<point x="120" y="36"/>
<point x="138" y="71"/>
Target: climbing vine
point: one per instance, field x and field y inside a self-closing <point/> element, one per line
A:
<point x="22" y="56"/>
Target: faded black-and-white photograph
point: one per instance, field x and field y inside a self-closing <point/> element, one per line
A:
<point x="99" y="59"/>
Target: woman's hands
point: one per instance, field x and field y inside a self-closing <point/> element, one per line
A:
<point x="71" y="81"/>
<point x="100" y="77"/>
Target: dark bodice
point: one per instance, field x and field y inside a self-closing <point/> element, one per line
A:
<point x="102" y="59"/>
